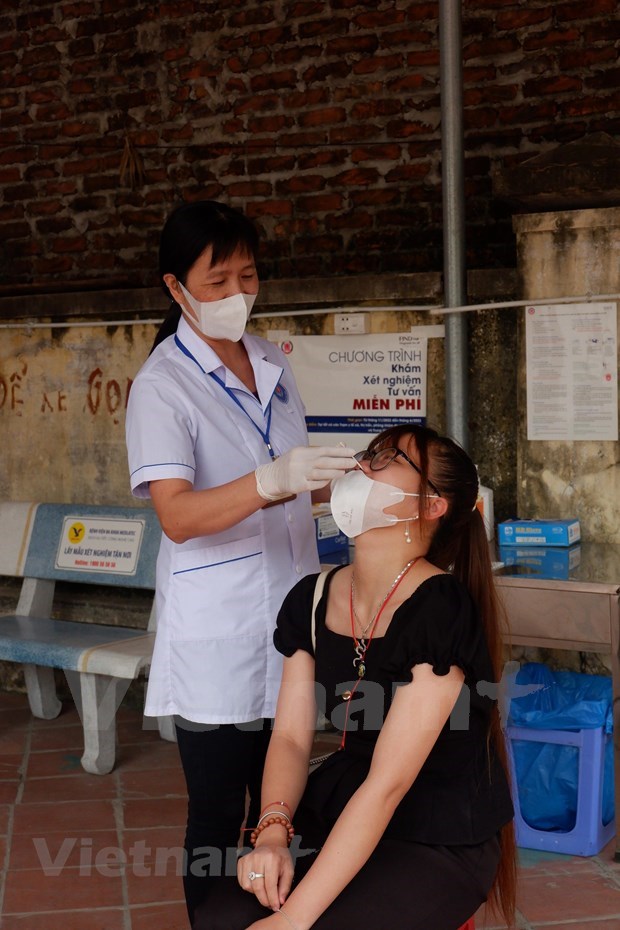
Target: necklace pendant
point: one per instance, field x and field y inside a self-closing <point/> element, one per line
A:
<point x="361" y="670"/>
<point x="360" y="652"/>
<point x="346" y="695"/>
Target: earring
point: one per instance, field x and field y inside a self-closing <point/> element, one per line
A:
<point x="407" y="525"/>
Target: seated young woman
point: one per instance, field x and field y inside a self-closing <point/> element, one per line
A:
<point x="408" y="826"/>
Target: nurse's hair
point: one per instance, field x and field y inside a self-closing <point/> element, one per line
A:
<point x="191" y="229"/>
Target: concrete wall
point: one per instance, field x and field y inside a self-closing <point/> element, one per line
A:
<point x="63" y="390"/>
<point x="63" y="394"/>
<point x="570" y="253"/>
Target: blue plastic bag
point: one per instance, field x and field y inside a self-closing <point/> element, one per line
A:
<point x="547" y="773"/>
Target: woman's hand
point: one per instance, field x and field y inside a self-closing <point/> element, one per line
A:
<point x="273" y="868"/>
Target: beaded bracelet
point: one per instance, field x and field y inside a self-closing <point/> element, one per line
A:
<point x="258" y="829"/>
<point x="274" y="814"/>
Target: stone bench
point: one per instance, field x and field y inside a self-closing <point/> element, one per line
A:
<point x="85" y="544"/>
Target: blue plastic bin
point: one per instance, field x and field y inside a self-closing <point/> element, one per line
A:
<point x="561" y="756"/>
<point x="589" y="833"/>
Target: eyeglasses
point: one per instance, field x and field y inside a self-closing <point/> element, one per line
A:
<point x="377" y="461"/>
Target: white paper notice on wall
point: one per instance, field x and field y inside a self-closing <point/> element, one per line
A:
<point x="572" y="371"/>
<point x="355" y="386"/>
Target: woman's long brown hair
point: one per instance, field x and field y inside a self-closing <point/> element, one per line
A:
<point x="459" y="545"/>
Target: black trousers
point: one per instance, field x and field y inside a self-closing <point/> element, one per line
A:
<point x="403" y="886"/>
<point x="222" y="763"/>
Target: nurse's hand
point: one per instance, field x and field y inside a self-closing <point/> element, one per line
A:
<point x="303" y="468"/>
<point x="267" y="872"/>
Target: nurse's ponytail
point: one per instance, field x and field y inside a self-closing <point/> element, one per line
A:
<point x="169" y="326"/>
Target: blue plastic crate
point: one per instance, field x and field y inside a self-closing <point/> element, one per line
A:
<point x="589" y="834"/>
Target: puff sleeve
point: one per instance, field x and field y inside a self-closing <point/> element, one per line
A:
<point x="293" y="624"/>
<point x="439" y="625"/>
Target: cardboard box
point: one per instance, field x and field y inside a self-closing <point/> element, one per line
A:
<point x="328" y="537"/>
<point x="538" y="532"/>
<point x="543" y="561"/>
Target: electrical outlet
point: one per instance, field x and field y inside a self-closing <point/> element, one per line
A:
<point x="346" y="324"/>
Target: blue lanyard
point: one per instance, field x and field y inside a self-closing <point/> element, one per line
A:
<point x="233" y="396"/>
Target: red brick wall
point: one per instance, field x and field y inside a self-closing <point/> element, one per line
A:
<point x="319" y="117"/>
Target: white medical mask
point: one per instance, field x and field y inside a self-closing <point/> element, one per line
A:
<point x="358" y="503"/>
<point x="221" y="319"/>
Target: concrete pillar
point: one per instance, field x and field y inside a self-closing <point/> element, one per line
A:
<point x="562" y="254"/>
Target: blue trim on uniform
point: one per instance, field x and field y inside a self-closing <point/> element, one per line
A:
<point x="198" y="568"/>
<point x="162" y="465"/>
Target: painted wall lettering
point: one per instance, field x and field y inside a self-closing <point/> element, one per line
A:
<point x="107" y="395"/>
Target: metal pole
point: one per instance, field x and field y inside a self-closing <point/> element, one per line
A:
<point x="452" y="171"/>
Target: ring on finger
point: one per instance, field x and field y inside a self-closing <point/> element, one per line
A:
<point x="253" y="875"/>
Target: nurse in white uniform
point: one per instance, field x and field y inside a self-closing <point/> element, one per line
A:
<point x="216" y="438"/>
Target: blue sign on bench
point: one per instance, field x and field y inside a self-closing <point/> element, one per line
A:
<point x="45" y="543"/>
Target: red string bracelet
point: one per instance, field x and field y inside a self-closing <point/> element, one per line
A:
<point x="277" y="804"/>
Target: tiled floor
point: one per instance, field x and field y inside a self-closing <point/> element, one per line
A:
<point x="88" y="852"/>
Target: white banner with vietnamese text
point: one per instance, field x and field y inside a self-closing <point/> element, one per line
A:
<point x="356" y="386"/>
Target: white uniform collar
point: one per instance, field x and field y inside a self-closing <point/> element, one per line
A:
<point x="266" y="373"/>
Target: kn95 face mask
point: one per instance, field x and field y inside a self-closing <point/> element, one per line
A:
<point x="358" y="503"/>
<point x="221" y="319"/>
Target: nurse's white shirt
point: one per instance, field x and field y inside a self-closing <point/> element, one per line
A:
<point x="218" y="596"/>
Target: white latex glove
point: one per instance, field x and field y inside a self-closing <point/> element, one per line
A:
<point x="303" y="468"/>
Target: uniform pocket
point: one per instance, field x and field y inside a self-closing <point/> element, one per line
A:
<point x="219" y="678"/>
<point x="218" y="591"/>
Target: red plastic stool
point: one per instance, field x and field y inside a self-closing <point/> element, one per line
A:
<point x="470" y="925"/>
